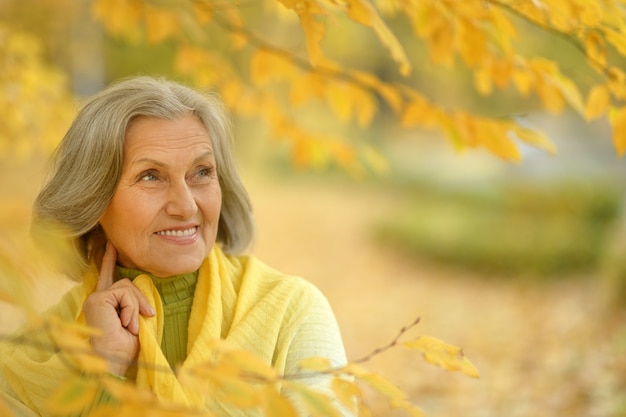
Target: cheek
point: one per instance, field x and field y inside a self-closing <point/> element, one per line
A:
<point x="125" y="217"/>
<point x="211" y="205"/>
<point x="216" y="203"/>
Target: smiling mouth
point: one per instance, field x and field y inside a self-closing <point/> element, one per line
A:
<point x="178" y="233"/>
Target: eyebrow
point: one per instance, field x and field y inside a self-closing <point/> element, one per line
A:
<point x="163" y="165"/>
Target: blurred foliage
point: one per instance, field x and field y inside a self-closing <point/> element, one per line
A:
<point x="514" y="230"/>
<point x="295" y="64"/>
<point x="612" y="265"/>
<point x="36" y="106"/>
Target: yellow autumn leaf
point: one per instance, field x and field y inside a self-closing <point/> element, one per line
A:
<point x="248" y="364"/>
<point x="418" y="112"/>
<point x="120" y="17"/>
<point x="5" y="296"/>
<point x="523" y="80"/>
<point x="534" y="138"/>
<point x="616" y="38"/>
<point x="189" y="58"/>
<point x="274" y="404"/>
<point x="202" y="12"/>
<point x="394" y="395"/>
<point x="72" y="396"/>
<point x="617" y="118"/>
<point x="362" y="11"/>
<point x="439" y="353"/>
<point x="307" y="152"/>
<point x="348" y="100"/>
<point x="365" y="106"/>
<point x="391" y="95"/>
<point x="266" y="66"/>
<point x="466" y="128"/>
<point x="598" y="102"/>
<point x="110" y="410"/>
<point x="442" y="45"/>
<point x="281" y="125"/>
<point x="347" y="393"/>
<point x="4" y="409"/>
<point x="338" y="97"/>
<point x="317" y="404"/>
<point x="160" y="23"/>
<point x="494" y="137"/>
<point x="554" y="88"/>
<point x="231" y="91"/>
<point x="451" y="131"/>
<point x="303" y="6"/>
<point x="315" y="364"/>
<point x="551" y="97"/>
<point x="234" y="390"/>
<point x="72" y="339"/>
<point x="305" y="88"/>
<point x="483" y="80"/>
<point x="314" y="31"/>
<point x="472" y="42"/>
<point x="617" y="82"/>
<point x="343" y="154"/>
<point x="504" y="29"/>
<point x="125" y="391"/>
<point x="591" y="14"/>
<point x="502" y="72"/>
<point x="595" y="49"/>
<point x="570" y="92"/>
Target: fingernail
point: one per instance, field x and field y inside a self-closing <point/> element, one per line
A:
<point x="151" y="311"/>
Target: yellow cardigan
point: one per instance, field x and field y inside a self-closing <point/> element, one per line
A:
<point x="283" y="319"/>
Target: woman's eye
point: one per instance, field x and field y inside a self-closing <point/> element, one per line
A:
<point x="148" y="176"/>
<point x="205" y="172"/>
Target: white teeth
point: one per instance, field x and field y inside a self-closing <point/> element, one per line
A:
<point x="178" y="233"/>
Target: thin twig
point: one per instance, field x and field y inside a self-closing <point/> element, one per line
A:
<point x="391" y="344"/>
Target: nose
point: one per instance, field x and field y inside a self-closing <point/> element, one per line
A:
<point x="181" y="202"/>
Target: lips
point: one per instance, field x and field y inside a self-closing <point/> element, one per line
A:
<point x="178" y="232"/>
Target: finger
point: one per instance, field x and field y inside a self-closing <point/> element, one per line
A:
<point x="105" y="280"/>
<point x="145" y="309"/>
<point x="128" y="306"/>
<point x="131" y="303"/>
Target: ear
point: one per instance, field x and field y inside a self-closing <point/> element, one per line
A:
<point x="96" y="245"/>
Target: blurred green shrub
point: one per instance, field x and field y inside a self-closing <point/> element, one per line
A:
<point x="612" y="266"/>
<point x="513" y="230"/>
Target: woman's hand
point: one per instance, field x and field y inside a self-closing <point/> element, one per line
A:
<point x="114" y="308"/>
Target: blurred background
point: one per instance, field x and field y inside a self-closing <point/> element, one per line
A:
<point x="520" y="264"/>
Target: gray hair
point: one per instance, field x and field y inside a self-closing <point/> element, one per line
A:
<point x="87" y="164"/>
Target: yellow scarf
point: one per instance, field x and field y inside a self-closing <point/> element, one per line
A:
<point x="280" y="318"/>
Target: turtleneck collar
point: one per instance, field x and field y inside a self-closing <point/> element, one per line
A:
<point x="171" y="289"/>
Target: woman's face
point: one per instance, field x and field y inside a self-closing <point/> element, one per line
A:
<point x="164" y="214"/>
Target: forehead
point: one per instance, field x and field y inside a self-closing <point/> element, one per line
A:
<point x="146" y="133"/>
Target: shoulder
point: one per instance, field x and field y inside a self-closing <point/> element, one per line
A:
<point x="256" y="275"/>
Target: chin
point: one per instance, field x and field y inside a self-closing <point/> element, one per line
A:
<point x="179" y="268"/>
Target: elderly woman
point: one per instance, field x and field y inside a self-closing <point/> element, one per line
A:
<point x="145" y="182"/>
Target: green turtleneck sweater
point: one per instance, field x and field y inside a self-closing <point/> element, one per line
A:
<point x="177" y="297"/>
